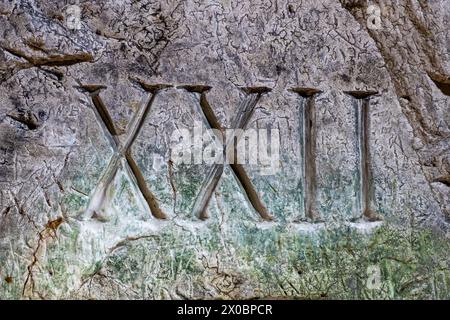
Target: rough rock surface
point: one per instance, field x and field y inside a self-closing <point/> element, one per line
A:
<point x="92" y="205"/>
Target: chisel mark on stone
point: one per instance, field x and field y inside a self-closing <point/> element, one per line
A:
<point x="365" y="172"/>
<point x="245" y="111"/>
<point x="308" y="121"/>
<point x="121" y="151"/>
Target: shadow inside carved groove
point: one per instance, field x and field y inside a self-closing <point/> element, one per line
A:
<point x="151" y="87"/>
<point x="309" y="136"/>
<point x="445" y="180"/>
<point x="92" y="88"/>
<point x="256" y="90"/>
<point x="104" y="114"/>
<point x="195" y="88"/>
<point x="443" y="85"/>
<point x="361" y="94"/>
<point x="244" y="114"/>
<point x="142" y="185"/>
<point x="305" y="92"/>
<point x="98" y="198"/>
<point x="364" y="195"/>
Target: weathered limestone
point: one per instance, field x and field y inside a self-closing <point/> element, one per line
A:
<point x="93" y="205"/>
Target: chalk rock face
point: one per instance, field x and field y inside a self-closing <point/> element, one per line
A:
<point x="110" y="112"/>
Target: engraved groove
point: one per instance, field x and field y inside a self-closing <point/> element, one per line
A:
<point x="245" y="111"/>
<point x="98" y="197"/>
<point x="309" y="137"/>
<point x="365" y="172"/>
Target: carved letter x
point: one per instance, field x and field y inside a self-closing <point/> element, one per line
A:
<point x="244" y="114"/>
<point x="122" y="151"/>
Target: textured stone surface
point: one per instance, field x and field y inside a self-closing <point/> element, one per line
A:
<point x="63" y="234"/>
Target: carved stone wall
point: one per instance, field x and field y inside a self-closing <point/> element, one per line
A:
<point x="93" y="205"/>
